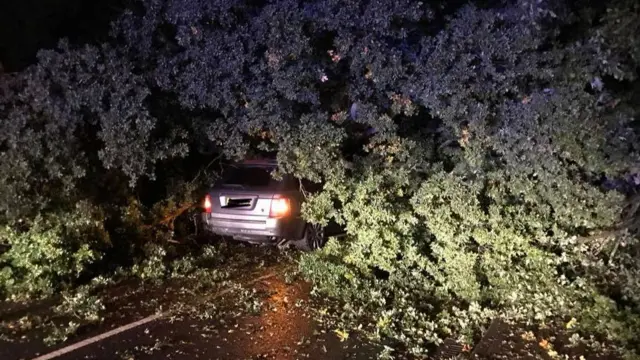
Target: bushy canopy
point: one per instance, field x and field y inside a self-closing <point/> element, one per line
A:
<point x="464" y="146"/>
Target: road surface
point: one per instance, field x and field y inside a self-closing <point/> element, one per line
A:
<point x="271" y="322"/>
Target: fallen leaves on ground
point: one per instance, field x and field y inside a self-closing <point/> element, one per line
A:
<point x="342" y="335"/>
<point x="544" y="344"/>
<point x="528" y="336"/>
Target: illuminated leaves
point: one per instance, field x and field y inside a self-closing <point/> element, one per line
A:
<point x="342" y="335"/>
<point x="54" y="252"/>
<point x="528" y="336"/>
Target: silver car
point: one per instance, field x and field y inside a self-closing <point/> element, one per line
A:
<point x="248" y="204"/>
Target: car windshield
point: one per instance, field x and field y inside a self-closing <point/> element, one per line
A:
<point x="252" y="176"/>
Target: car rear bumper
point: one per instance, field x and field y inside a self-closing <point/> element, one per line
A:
<point x="250" y="228"/>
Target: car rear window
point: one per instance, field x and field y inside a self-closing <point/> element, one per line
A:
<point x="253" y="176"/>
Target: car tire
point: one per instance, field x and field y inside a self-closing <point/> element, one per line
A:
<point x="313" y="238"/>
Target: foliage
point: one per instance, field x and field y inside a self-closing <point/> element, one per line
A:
<point x="161" y="262"/>
<point x="463" y="147"/>
<point x="478" y="172"/>
<point x="61" y="334"/>
<point x="77" y="127"/>
<point x="153" y="264"/>
<point x="71" y="117"/>
<point x="79" y="307"/>
<point x="51" y="253"/>
<point x="489" y="230"/>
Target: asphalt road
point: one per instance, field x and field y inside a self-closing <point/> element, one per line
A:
<point x="280" y="329"/>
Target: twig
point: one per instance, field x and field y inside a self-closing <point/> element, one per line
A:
<point x="613" y="252"/>
<point x="177" y="213"/>
<point x="170" y="218"/>
<point x="205" y="168"/>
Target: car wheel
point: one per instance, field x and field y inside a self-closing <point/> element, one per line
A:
<point x="314" y="238"/>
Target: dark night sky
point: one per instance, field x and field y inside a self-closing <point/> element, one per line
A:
<point x="29" y="25"/>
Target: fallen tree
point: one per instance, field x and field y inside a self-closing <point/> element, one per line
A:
<point x="467" y="149"/>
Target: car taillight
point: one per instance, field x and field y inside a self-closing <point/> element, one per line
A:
<point x="207" y="204"/>
<point x="279" y="207"/>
